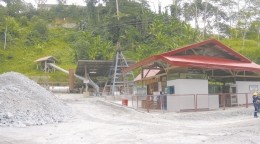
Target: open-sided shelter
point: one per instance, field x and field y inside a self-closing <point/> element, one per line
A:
<point x="207" y="67"/>
<point x="97" y="70"/>
<point x="42" y="63"/>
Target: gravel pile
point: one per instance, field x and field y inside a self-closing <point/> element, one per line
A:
<point x="23" y="103"/>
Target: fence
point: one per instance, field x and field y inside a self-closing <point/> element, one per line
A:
<point x="184" y="102"/>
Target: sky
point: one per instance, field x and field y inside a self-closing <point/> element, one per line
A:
<point x="153" y="3"/>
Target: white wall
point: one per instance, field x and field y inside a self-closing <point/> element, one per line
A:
<point x="177" y="103"/>
<point x="188" y="88"/>
<point x="213" y="101"/>
<point x="243" y="87"/>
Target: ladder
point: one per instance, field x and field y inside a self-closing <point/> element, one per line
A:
<point x="118" y="83"/>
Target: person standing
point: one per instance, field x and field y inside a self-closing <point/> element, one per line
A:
<point x="255" y="98"/>
<point x="258" y="101"/>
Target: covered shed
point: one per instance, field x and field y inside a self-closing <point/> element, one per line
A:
<point x="96" y="70"/>
<point x="207" y="67"/>
<point x="93" y="68"/>
<point x="42" y="63"/>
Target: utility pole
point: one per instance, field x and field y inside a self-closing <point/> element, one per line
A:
<point x="117" y="82"/>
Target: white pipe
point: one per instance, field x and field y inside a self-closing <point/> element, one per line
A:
<point x="77" y="76"/>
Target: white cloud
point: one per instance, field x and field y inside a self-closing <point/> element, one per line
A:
<point x="2" y="3"/>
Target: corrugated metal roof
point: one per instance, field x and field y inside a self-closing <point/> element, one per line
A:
<point x="99" y="67"/>
<point x="215" y="56"/>
<point x="95" y="67"/>
<point x="211" y="62"/>
<point x="45" y="59"/>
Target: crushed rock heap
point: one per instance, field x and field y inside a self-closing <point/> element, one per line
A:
<point x="23" y="103"/>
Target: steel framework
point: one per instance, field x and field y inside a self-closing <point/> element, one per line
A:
<point x="118" y="83"/>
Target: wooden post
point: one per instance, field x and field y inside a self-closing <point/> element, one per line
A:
<point x="246" y="100"/>
<point x="195" y="101"/>
<point x="132" y="101"/>
<point x="147" y="103"/>
<point x="224" y="101"/>
<point x="71" y="79"/>
<point x="161" y="101"/>
<point x="45" y="66"/>
<point x="86" y="93"/>
<point x="136" y="102"/>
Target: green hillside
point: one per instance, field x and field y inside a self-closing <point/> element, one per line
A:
<point x="251" y="49"/>
<point x="70" y="33"/>
<point x="21" y="58"/>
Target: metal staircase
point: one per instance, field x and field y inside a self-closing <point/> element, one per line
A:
<point x="118" y="83"/>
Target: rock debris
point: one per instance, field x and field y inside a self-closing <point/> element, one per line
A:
<point x="23" y="102"/>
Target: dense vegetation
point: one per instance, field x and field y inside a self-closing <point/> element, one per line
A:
<point x="91" y="32"/>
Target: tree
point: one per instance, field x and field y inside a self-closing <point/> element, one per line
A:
<point x="10" y="31"/>
<point x="176" y="9"/>
<point x="246" y="14"/>
<point x="165" y="34"/>
<point x="15" y="7"/>
<point x="38" y="31"/>
<point x="227" y="7"/>
<point x="91" y="47"/>
<point x="254" y="32"/>
<point x="91" y="11"/>
<point x="3" y="25"/>
<point x="192" y="11"/>
<point x="40" y="1"/>
<point x="62" y="2"/>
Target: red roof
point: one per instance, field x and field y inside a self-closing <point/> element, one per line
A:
<point x="209" y="54"/>
<point x="210" y="62"/>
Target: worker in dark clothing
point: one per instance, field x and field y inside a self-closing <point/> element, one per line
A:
<point x="255" y="98"/>
<point x="258" y="102"/>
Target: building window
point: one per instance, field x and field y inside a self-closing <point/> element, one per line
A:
<point x="253" y="87"/>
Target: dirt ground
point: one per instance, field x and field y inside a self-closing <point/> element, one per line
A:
<point x="96" y="121"/>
